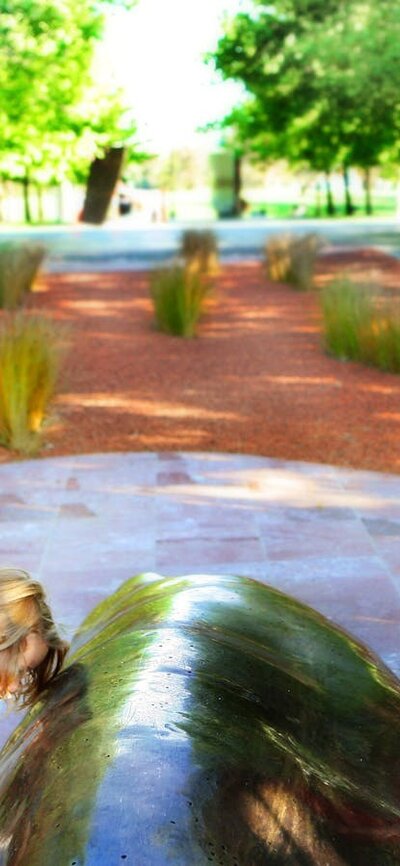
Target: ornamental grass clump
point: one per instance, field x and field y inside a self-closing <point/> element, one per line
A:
<point x="19" y="266"/>
<point x="291" y="259"/>
<point x="361" y="326"/>
<point x="199" y="250"/>
<point x="178" y="296"/>
<point x="31" y="349"/>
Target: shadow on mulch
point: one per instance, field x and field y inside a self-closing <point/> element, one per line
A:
<point x="255" y="381"/>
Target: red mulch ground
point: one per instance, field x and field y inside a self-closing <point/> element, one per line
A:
<point x="256" y="380"/>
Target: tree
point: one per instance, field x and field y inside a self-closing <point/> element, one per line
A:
<point x="323" y="81"/>
<point x="179" y="169"/>
<point x="51" y="111"/>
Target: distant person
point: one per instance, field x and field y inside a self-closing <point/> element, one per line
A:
<point x="124" y="203"/>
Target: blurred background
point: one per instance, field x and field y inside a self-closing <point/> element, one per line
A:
<point x="186" y="111"/>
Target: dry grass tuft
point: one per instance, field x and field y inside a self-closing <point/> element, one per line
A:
<point x="361" y="325"/>
<point x="199" y="250"/>
<point x="178" y="294"/>
<point x="291" y="259"/>
<point x="31" y="349"/>
<point x="19" y="266"/>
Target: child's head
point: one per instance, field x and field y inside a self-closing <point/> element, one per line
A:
<point x="31" y="650"/>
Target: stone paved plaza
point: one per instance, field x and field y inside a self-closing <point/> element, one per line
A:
<point x="327" y="535"/>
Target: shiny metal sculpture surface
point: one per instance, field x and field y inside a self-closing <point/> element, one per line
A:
<point x="207" y="720"/>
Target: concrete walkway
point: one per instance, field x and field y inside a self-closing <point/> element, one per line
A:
<point x="326" y="535"/>
<point x="126" y="244"/>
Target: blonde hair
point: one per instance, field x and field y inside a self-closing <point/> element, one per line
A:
<point x="24" y="609"/>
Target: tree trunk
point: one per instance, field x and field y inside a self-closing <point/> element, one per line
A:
<point x="367" y="190"/>
<point x="103" y="177"/>
<point x="27" y="206"/>
<point x="348" y="204"/>
<point x="318" y="208"/>
<point x="330" y="204"/>
<point x="237" y="186"/>
<point x="40" y="203"/>
<point x="60" y="203"/>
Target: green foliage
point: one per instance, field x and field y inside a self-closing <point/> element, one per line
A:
<point x="178" y="170"/>
<point x="100" y="120"/>
<point x="19" y="265"/>
<point x="360" y="326"/>
<point x="291" y="259"/>
<point x="199" y="249"/>
<point x="347" y="309"/>
<point x="46" y="52"/>
<point x="55" y="115"/>
<point x="178" y="296"/>
<point x="322" y="79"/>
<point x="31" y="349"/>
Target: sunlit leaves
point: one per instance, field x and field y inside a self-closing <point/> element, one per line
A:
<point x="52" y="109"/>
<point x="323" y="78"/>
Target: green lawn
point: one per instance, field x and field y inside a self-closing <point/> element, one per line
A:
<point x="382" y="206"/>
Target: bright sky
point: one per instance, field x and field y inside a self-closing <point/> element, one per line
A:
<point x="155" y="50"/>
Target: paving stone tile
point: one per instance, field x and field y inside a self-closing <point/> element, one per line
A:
<point x="73" y="483"/>
<point x="10" y="500"/>
<point x="377" y="483"/>
<point x="112" y="472"/>
<point x="116" y="553"/>
<point x="123" y="515"/>
<point x="14" y="507"/>
<point x="27" y="560"/>
<point x="75" y="509"/>
<point x="358" y="594"/>
<point x="73" y="594"/>
<point x="388" y="547"/>
<point x="327" y="569"/>
<point x="173" y="478"/>
<point x="206" y="552"/>
<point x="177" y="519"/>
<point x="169" y="456"/>
<point x="253" y="570"/>
<point x="23" y="513"/>
<point x="31" y="490"/>
<point x="308" y="536"/>
<point x="86" y="544"/>
<point x="378" y="527"/>
<point x="384" y="510"/>
<point x="267" y="485"/>
<point x="24" y="544"/>
<point x="301" y="516"/>
<point x="100" y="579"/>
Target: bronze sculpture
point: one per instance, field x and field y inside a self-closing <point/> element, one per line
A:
<point x="206" y="719"/>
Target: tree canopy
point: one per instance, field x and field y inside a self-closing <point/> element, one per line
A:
<point x="54" y="115"/>
<point x="323" y="80"/>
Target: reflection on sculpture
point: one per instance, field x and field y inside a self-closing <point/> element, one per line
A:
<point x="207" y="720"/>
